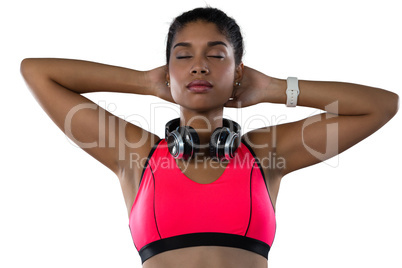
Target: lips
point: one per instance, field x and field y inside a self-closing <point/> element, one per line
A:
<point x="199" y="86"/>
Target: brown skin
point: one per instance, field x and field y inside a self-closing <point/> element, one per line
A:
<point x="216" y="64"/>
<point x="57" y="85"/>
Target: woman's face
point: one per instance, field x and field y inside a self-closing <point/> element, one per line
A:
<point x="201" y="52"/>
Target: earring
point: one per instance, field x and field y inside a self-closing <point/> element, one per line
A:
<point x="237" y="84"/>
<point x="167" y="83"/>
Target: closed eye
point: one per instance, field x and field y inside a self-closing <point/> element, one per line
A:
<point x="187" y="57"/>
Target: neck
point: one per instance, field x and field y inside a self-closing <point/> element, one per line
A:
<point x="204" y="124"/>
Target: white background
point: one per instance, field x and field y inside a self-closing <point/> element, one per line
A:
<point x="59" y="207"/>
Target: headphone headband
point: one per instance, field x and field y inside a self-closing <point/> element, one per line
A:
<point x="183" y="142"/>
<point x="172" y="125"/>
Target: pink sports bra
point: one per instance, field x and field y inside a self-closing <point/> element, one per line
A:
<point x="172" y="211"/>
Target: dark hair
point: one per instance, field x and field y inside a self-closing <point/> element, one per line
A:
<point x="226" y="25"/>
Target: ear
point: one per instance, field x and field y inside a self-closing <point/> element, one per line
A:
<point x="239" y="72"/>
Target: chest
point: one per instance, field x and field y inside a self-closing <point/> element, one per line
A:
<point x="203" y="172"/>
<point x="199" y="199"/>
<point x="169" y="203"/>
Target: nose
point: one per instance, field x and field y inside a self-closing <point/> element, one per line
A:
<point x="199" y="67"/>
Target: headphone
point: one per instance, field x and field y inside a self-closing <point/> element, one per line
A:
<point x="183" y="142"/>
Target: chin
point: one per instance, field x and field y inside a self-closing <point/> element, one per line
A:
<point x="201" y="107"/>
<point x="201" y="102"/>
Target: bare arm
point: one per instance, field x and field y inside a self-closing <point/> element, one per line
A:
<point x="84" y="76"/>
<point x="57" y="85"/>
<point x="353" y="112"/>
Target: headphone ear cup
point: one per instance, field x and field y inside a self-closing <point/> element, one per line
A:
<point x="223" y="143"/>
<point x="191" y="141"/>
<point x="213" y="142"/>
<point x="175" y="144"/>
<point x="217" y="142"/>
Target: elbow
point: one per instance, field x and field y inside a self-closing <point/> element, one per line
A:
<point x="26" y="67"/>
<point x="389" y="108"/>
<point x="23" y="66"/>
<point x="393" y="105"/>
<point x="32" y="69"/>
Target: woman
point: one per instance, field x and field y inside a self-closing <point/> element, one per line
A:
<point x="203" y="197"/>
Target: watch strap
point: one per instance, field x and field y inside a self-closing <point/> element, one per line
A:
<point x="292" y="91"/>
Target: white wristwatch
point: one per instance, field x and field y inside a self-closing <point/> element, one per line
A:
<point x="292" y="92"/>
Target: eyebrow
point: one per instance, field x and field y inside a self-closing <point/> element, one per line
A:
<point x="209" y="44"/>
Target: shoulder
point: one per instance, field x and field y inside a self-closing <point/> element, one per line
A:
<point x="262" y="144"/>
<point x="134" y="155"/>
<point x="260" y="141"/>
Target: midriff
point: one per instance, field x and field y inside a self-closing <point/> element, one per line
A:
<point x="206" y="256"/>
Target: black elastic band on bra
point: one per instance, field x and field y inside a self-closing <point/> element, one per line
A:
<point x="149" y="157"/>
<point x="259" y="166"/>
<point x="255" y="157"/>
<point x="204" y="239"/>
